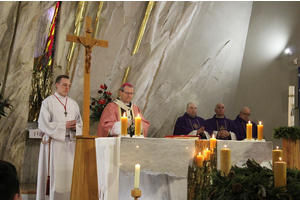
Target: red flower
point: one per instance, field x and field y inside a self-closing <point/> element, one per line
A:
<point x="109" y="93"/>
<point x="109" y="99"/>
<point x="100" y="91"/>
<point x="103" y="87"/>
<point x="93" y="103"/>
<point x="99" y="109"/>
<point x="102" y="101"/>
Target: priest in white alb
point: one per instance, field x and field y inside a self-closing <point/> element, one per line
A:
<point x="60" y="121"/>
<point x="110" y="119"/>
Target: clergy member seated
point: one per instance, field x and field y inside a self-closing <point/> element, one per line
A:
<point x="223" y="127"/>
<point x="241" y="121"/>
<point x="191" y="124"/>
<point x="110" y="119"/>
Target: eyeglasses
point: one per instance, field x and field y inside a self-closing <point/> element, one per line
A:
<point x="246" y="114"/>
<point x="128" y="93"/>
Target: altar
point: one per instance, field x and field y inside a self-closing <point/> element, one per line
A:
<point x="164" y="165"/>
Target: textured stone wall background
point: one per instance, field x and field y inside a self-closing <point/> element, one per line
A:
<point x="191" y="51"/>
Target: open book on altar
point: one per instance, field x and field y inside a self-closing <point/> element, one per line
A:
<point x="194" y="137"/>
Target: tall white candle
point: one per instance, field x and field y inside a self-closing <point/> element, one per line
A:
<point x="291" y="106"/>
<point x="137" y="176"/>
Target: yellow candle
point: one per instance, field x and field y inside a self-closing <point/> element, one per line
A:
<point x="138" y="126"/>
<point x="279" y="173"/>
<point x="124" y="121"/>
<point x="276" y="154"/>
<point x="206" y="155"/>
<point x="225" y="160"/>
<point x="213" y="142"/>
<point x="260" y="131"/>
<point x="200" y="160"/>
<point x="137" y="176"/>
<point x="249" y="131"/>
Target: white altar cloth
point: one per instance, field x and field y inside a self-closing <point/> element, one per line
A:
<point x="164" y="165"/>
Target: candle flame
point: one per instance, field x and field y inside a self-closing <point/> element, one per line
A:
<point x="199" y="153"/>
<point x="138" y="165"/>
<point x="138" y="115"/>
<point x="277" y="147"/>
<point x="225" y="146"/>
<point x="124" y="115"/>
<point x="137" y="146"/>
<point x="259" y="122"/>
<point x="249" y="122"/>
<point x="213" y="136"/>
<point x="279" y="158"/>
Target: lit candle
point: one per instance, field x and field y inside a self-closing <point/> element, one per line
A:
<point x="260" y="131"/>
<point x="200" y="160"/>
<point x="249" y="131"/>
<point x="276" y="154"/>
<point x="225" y="160"/>
<point x="213" y="142"/>
<point x="206" y="155"/>
<point x="124" y="121"/>
<point x="137" y="176"/>
<point x="138" y="126"/>
<point x="279" y="173"/>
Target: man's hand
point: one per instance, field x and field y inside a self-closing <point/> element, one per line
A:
<point x="71" y="124"/>
<point x="223" y="134"/>
<point x="129" y="122"/>
<point x="200" y="131"/>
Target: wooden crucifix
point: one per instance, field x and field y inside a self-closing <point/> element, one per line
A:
<point x="84" y="181"/>
<point x="88" y="42"/>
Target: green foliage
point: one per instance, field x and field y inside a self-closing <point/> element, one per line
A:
<point x="252" y="182"/>
<point x="97" y="106"/>
<point x="286" y="132"/>
<point x="3" y="104"/>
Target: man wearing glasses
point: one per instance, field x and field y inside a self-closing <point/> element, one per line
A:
<point x="241" y="121"/>
<point x="111" y="116"/>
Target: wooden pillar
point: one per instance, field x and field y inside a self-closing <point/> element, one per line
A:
<point x="290" y="150"/>
<point x="85" y="182"/>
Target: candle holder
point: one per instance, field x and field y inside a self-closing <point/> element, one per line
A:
<point x="136" y="193"/>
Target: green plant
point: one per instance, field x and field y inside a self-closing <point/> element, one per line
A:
<point x="3" y="104"/>
<point x="287" y="132"/>
<point x="97" y="105"/>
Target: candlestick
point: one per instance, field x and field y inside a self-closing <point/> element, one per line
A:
<point x="249" y="131"/>
<point x="291" y="106"/>
<point x="225" y="160"/>
<point x="260" y="131"/>
<point x="276" y="154"/>
<point x="138" y="126"/>
<point x="136" y="193"/>
<point x="124" y="121"/>
<point x="137" y="176"/>
<point x="279" y="173"/>
<point x="213" y="142"/>
<point x="206" y="155"/>
<point x="200" y="160"/>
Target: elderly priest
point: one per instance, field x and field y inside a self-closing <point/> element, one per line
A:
<point x="110" y="119"/>
<point x="191" y="124"/>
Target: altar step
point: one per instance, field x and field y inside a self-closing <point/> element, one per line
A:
<point x="28" y="191"/>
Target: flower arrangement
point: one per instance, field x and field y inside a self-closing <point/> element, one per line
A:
<point x="97" y="105"/>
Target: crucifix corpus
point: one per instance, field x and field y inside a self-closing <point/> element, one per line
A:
<point x="84" y="181"/>
<point x="89" y="43"/>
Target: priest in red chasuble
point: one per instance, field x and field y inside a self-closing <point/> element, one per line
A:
<point x="111" y="116"/>
<point x="191" y="124"/>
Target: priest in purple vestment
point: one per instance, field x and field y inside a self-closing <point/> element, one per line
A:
<point x="241" y="121"/>
<point x="191" y="124"/>
<point x="223" y="127"/>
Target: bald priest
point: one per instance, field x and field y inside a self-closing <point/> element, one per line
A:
<point x="110" y="119"/>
